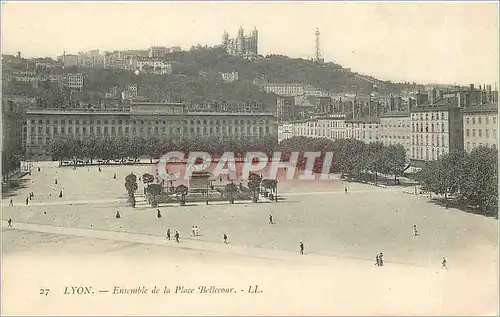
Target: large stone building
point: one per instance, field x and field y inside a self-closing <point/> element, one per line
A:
<point x="395" y="129"/>
<point x="435" y="130"/>
<point x="13" y="126"/>
<point x="366" y="130"/>
<point x="142" y="119"/>
<point x="285" y="107"/>
<point x="158" y="51"/>
<point x="151" y="65"/>
<point x="246" y="46"/>
<point x="285" y="89"/>
<point x="480" y="126"/>
<point x="73" y="81"/>
<point x="331" y="127"/>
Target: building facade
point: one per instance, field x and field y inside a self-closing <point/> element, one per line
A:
<point x="480" y="127"/>
<point x="230" y="77"/>
<point x="246" y="46"/>
<point x="158" y="51"/>
<point x="285" y="107"/>
<point x="73" y="81"/>
<point x="142" y="119"/>
<point x="91" y="59"/>
<point x="366" y="130"/>
<point x="435" y="130"/>
<point x="285" y="131"/>
<point x="331" y="127"/>
<point x="395" y="129"/>
<point x="68" y="60"/>
<point x="285" y="89"/>
<point x="152" y="65"/>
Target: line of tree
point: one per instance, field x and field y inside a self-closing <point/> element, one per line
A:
<point x="351" y="157"/>
<point x="10" y="163"/>
<point x="470" y="178"/>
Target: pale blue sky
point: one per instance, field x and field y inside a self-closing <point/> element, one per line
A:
<point x="421" y="41"/>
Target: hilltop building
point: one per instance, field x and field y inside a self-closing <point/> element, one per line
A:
<point x="246" y="46"/>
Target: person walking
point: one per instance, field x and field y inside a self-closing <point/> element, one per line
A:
<point x="118" y="216"/>
<point x="415" y="232"/>
<point x="176" y="236"/>
<point x="60" y="194"/>
<point x="11" y="203"/>
<point x="168" y="234"/>
<point x="114" y="176"/>
<point x="9" y="223"/>
<point x="158" y="214"/>
<point x="377" y="260"/>
<point x="301" y="246"/>
<point x="196" y="231"/>
<point x="27" y="200"/>
<point x="270" y="219"/>
<point x="193" y="231"/>
<point x="443" y="264"/>
<point x="345" y="189"/>
<point x="55" y="181"/>
<point x="225" y="238"/>
<point x="381" y="259"/>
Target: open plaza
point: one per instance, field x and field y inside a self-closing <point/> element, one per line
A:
<point x="342" y="232"/>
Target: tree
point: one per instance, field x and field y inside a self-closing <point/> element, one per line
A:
<point x="91" y="148"/>
<point x="479" y="185"/>
<point x="374" y="158"/>
<point x="153" y="192"/>
<point x="254" y="181"/>
<point x="131" y="186"/>
<point x="231" y="189"/>
<point x="394" y="161"/>
<point x="182" y="190"/>
<point x="148" y="178"/>
<point x="58" y="148"/>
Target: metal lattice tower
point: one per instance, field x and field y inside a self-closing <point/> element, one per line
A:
<point x="318" y="51"/>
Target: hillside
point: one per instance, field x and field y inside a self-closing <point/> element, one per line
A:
<point x="196" y="77"/>
<point x="276" y="69"/>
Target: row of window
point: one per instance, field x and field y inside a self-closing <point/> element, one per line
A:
<point x="40" y="140"/>
<point x="434" y="154"/>
<point x="479" y="120"/>
<point x="394" y="137"/>
<point x="334" y="124"/>
<point x="399" y="125"/>
<point x="420" y="127"/>
<point x="359" y="135"/>
<point x="469" y="148"/>
<point x="427" y="116"/>
<point x="480" y="133"/>
<point x="198" y="122"/>
<point x="420" y="140"/>
<point x="113" y="130"/>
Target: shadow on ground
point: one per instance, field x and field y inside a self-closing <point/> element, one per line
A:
<point x="13" y="187"/>
<point x="455" y="204"/>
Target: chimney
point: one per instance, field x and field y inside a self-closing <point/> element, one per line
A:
<point x="432" y="96"/>
<point x="489" y="95"/>
<point x="471" y="87"/>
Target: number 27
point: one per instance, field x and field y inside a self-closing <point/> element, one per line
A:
<point x="44" y="291"/>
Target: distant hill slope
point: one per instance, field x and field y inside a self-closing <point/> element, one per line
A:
<point x="277" y="69"/>
<point x="196" y="77"/>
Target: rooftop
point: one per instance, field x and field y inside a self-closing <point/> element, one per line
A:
<point x="395" y="114"/>
<point x="364" y="120"/>
<point x="435" y="107"/>
<point x="490" y="107"/>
